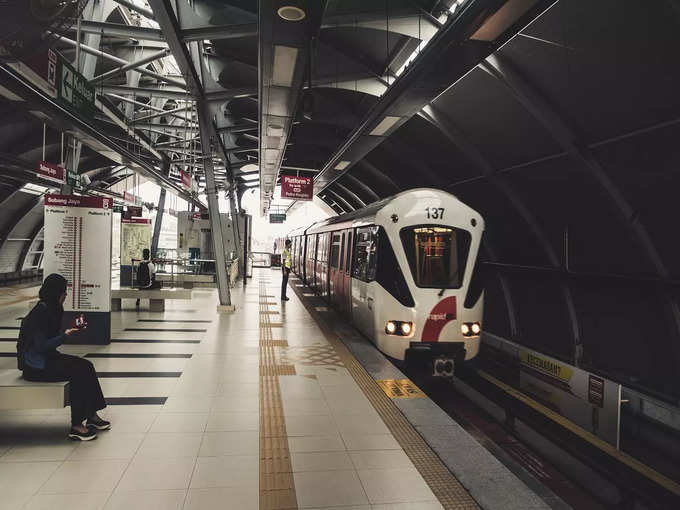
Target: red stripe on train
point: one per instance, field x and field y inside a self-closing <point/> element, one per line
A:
<point x="443" y="313"/>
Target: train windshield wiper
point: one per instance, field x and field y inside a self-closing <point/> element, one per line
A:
<point x="441" y="292"/>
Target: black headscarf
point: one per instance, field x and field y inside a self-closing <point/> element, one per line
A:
<point x="50" y="292"/>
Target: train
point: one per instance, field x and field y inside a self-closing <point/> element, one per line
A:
<point x="402" y="270"/>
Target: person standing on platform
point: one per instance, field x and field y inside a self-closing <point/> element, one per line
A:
<point x="286" y="265"/>
<point x="37" y="355"/>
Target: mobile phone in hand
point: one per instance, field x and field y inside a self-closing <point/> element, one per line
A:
<point x="79" y="322"/>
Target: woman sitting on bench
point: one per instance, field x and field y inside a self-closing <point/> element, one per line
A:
<point x="40" y="335"/>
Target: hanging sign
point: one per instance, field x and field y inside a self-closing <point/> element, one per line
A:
<point x="186" y="180"/>
<point x="72" y="179"/>
<point x="277" y="218"/>
<point x="128" y="197"/>
<point x="51" y="172"/>
<point x="78" y="247"/>
<point x="74" y="90"/>
<point x="297" y="188"/>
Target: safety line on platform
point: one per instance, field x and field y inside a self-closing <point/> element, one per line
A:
<point x="277" y="487"/>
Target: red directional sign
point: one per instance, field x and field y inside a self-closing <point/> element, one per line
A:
<point x="51" y="172"/>
<point x="297" y="188"/>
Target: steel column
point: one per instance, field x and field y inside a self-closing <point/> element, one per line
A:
<point x="205" y="124"/>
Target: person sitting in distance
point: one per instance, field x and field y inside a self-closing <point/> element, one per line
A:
<point x="146" y="273"/>
<point x="37" y="355"/>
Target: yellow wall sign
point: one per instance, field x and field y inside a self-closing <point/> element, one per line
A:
<point x="400" y="388"/>
<point x="546" y="365"/>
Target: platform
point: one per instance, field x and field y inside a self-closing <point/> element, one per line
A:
<point x="262" y="408"/>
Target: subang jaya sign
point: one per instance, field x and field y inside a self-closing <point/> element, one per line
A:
<point x="297" y="188"/>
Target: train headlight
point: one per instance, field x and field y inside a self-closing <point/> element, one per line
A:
<point x="465" y="329"/>
<point x="399" y="328"/>
<point x="476" y="328"/>
<point x="470" y="328"/>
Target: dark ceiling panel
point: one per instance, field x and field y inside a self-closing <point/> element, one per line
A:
<point x="606" y="65"/>
<point x="504" y="132"/>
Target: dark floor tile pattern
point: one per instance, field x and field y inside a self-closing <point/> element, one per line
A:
<point x="135" y="401"/>
<point x="174" y="330"/>
<point x="147" y="341"/>
<point x="138" y="374"/>
<point x="134" y="355"/>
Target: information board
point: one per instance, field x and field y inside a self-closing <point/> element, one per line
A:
<point x="78" y="247"/>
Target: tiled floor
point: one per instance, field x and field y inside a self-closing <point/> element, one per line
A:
<point x="200" y="449"/>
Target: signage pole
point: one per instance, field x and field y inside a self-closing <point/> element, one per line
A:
<point x="213" y="206"/>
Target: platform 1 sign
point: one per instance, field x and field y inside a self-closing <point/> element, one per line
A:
<point x="277" y="218"/>
<point x="51" y="172"/>
<point x="78" y="247"/>
<point x="297" y="188"/>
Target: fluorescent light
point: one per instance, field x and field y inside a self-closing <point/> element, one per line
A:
<point x="249" y="177"/>
<point x="496" y="24"/>
<point x="34" y="189"/>
<point x="342" y="165"/>
<point x="384" y="126"/>
<point x="285" y="58"/>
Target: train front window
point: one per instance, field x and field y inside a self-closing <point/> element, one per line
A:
<point x="437" y="255"/>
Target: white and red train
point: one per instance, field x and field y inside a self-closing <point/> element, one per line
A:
<point x="402" y="270"/>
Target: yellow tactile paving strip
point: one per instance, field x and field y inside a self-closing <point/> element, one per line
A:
<point x="277" y="487"/>
<point x="448" y="490"/>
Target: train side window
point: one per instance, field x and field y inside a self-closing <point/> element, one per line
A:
<point x="389" y="274"/>
<point x="365" y="254"/>
<point x="335" y="255"/>
<point x="348" y="261"/>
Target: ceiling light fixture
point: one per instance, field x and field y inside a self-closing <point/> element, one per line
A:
<point x="285" y="58"/>
<point x="342" y="165"/>
<point x="291" y="13"/>
<point x="384" y="126"/>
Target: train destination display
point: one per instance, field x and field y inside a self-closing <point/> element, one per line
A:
<point x="78" y="247"/>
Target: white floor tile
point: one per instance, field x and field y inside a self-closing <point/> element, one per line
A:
<point x="14" y="500"/>
<point x="329" y="488"/>
<point x="332" y="443"/>
<point x="221" y="498"/>
<point x="146" y="500"/>
<point x="305" y="407"/>
<point x="420" y="505"/>
<point x="369" y="423"/>
<point x="402" y="485"/>
<point x="170" y="445"/>
<point x="312" y="425"/>
<point x="230" y="422"/>
<point x="130" y="423"/>
<point x="81" y="501"/>
<point x="85" y="476"/>
<point x="157" y="474"/>
<point x="180" y="422"/>
<point x="380" y="459"/>
<point x="320" y="461"/>
<point x="58" y="450"/>
<point x="229" y="443"/>
<point x="188" y="404"/>
<point x="25" y="477"/>
<point x="236" y="405"/>
<point x="226" y="471"/>
<point x="370" y="442"/>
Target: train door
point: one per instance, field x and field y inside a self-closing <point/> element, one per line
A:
<point x="335" y="280"/>
<point x="363" y="273"/>
<point x="347" y="272"/>
<point x="310" y="260"/>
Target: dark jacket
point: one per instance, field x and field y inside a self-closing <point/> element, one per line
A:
<point x="40" y="335"/>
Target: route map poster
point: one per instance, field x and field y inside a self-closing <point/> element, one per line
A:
<point x="135" y="236"/>
<point x="78" y="247"/>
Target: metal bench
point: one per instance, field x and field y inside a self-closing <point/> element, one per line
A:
<point x="17" y="393"/>
<point x="156" y="297"/>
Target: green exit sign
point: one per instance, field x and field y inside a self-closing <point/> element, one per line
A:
<point x="73" y="90"/>
<point x="277" y="218"/>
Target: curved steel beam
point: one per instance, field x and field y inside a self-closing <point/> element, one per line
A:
<point x="535" y="103"/>
<point x="351" y="194"/>
<point x="379" y="175"/>
<point x="460" y="140"/>
<point x="340" y="201"/>
<point x="366" y="189"/>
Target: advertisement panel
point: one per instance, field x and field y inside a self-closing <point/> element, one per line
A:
<point x="297" y="188"/>
<point x="51" y="172"/>
<point x="591" y="402"/>
<point x="78" y="247"/>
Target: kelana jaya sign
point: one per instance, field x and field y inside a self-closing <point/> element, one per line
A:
<point x="297" y="188"/>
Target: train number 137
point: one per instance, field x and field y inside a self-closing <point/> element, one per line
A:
<point x="435" y="213"/>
